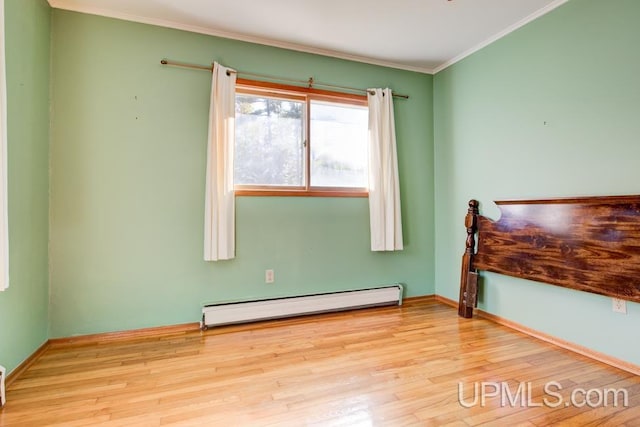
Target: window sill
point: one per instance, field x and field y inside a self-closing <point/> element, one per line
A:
<point x="302" y="193"/>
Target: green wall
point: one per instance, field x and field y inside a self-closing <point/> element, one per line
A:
<point x="127" y="184"/>
<point x="24" y="306"/>
<point x="550" y="110"/>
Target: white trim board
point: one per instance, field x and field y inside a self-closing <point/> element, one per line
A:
<point x="535" y="15"/>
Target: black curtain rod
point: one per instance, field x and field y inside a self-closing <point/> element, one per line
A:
<point x="309" y="83"/>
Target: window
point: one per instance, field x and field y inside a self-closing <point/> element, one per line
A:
<point x="299" y="141"/>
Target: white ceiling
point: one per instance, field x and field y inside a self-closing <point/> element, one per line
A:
<point x="418" y="35"/>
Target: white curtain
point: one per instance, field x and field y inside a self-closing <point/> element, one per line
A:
<point x="219" y="227"/>
<point x="4" y="214"/>
<point x="384" y="189"/>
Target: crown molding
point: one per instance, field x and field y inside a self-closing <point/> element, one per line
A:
<point x="543" y="11"/>
<point x="70" y="5"/>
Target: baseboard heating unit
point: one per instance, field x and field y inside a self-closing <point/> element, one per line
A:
<point x="252" y="311"/>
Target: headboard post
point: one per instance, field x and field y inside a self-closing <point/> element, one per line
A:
<point x="468" y="277"/>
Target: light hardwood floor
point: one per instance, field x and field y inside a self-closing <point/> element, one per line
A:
<point x="391" y="366"/>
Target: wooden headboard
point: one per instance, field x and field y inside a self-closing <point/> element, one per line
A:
<point x="591" y="244"/>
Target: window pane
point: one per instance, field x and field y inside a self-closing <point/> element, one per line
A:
<point x="269" y="141"/>
<point x="338" y="145"/>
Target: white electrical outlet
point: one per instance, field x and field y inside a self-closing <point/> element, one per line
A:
<point x="269" y="276"/>
<point x="619" y="305"/>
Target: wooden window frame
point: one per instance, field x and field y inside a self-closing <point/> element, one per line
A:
<point x="306" y="95"/>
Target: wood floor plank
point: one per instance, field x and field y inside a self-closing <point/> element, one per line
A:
<point x="399" y="366"/>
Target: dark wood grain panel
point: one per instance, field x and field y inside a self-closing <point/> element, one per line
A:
<point x="589" y="244"/>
